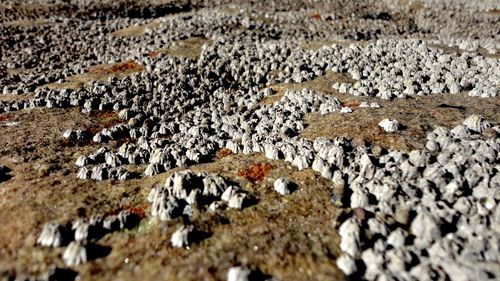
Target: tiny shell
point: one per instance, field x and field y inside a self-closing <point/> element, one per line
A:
<point x="75" y="254"/>
<point x="389" y="125"/>
<point x="181" y="237"/>
<point x="282" y="186"/>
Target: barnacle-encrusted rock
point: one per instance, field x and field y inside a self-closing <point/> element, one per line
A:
<point x="180" y="111"/>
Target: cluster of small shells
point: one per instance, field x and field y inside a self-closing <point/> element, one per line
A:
<point x="419" y="215"/>
<point x="398" y="68"/>
<point x="185" y="189"/>
<point x="426" y="214"/>
<point x="80" y="235"/>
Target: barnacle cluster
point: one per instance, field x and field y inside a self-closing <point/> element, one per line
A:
<point x="244" y="88"/>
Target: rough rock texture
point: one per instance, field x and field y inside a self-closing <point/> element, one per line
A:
<point x="146" y="140"/>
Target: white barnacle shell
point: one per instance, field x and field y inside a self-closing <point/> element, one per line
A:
<point x="345" y="110"/>
<point x="238" y="273"/>
<point x="359" y="199"/>
<point x="165" y="207"/>
<point x="229" y="192"/>
<point x="397" y="238"/>
<point x="271" y="152"/>
<point x="366" y="167"/>
<point x="347" y="264"/>
<point x="81" y="229"/>
<point x="408" y="171"/>
<point x="99" y="172"/>
<point x="476" y="123"/>
<point x="154" y="193"/>
<point x="373" y="262"/>
<point x="237" y="200"/>
<point x="233" y="146"/>
<point x="158" y="156"/>
<point x="301" y="162"/>
<point x="193" y="196"/>
<point x="419" y="158"/>
<point x="214" y="185"/>
<point x="84" y="173"/>
<point x="112" y="159"/>
<point x="181" y="237"/>
<point x="377" y="226"/>
<point x="318" y="164"/>
<point x="69" y="134"/>
<point x="122" y="174"/>
<point x="389" y="125"/>
<point x="282" y="186"/>
<point x="460" y="132"/>
<point x="350" y="245"/>
<point x="51" y="235"/>
<point x="124" y="218"/>
<point x="82" y="161"/>
<point x="154" y="169"/>
<point x="364" y="104"/>
<point x="214" y="206"/>
<point x="349" y="228"/>
<point x="180" y="183"/>
<point x="193" y="155"/>
<point x="75" y="254"/>
<point x="425" y="228"/>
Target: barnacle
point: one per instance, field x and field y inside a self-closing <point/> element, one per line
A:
<point x="389" y="125"/>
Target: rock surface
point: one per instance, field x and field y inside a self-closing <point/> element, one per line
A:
<point x="138" y="124"/>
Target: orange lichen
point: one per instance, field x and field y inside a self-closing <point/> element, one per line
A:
<point x="316" y="16"/>
<point x="256" y="172"/>
<point x="155" y="54"/>
<point x="139" y="212"/>
<point x="352" y="104"/>
<point x="129" y="66"/>
<point x="223" y="153"/>
<point x="106" y="118"/>
<point x="4" y="118"/>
